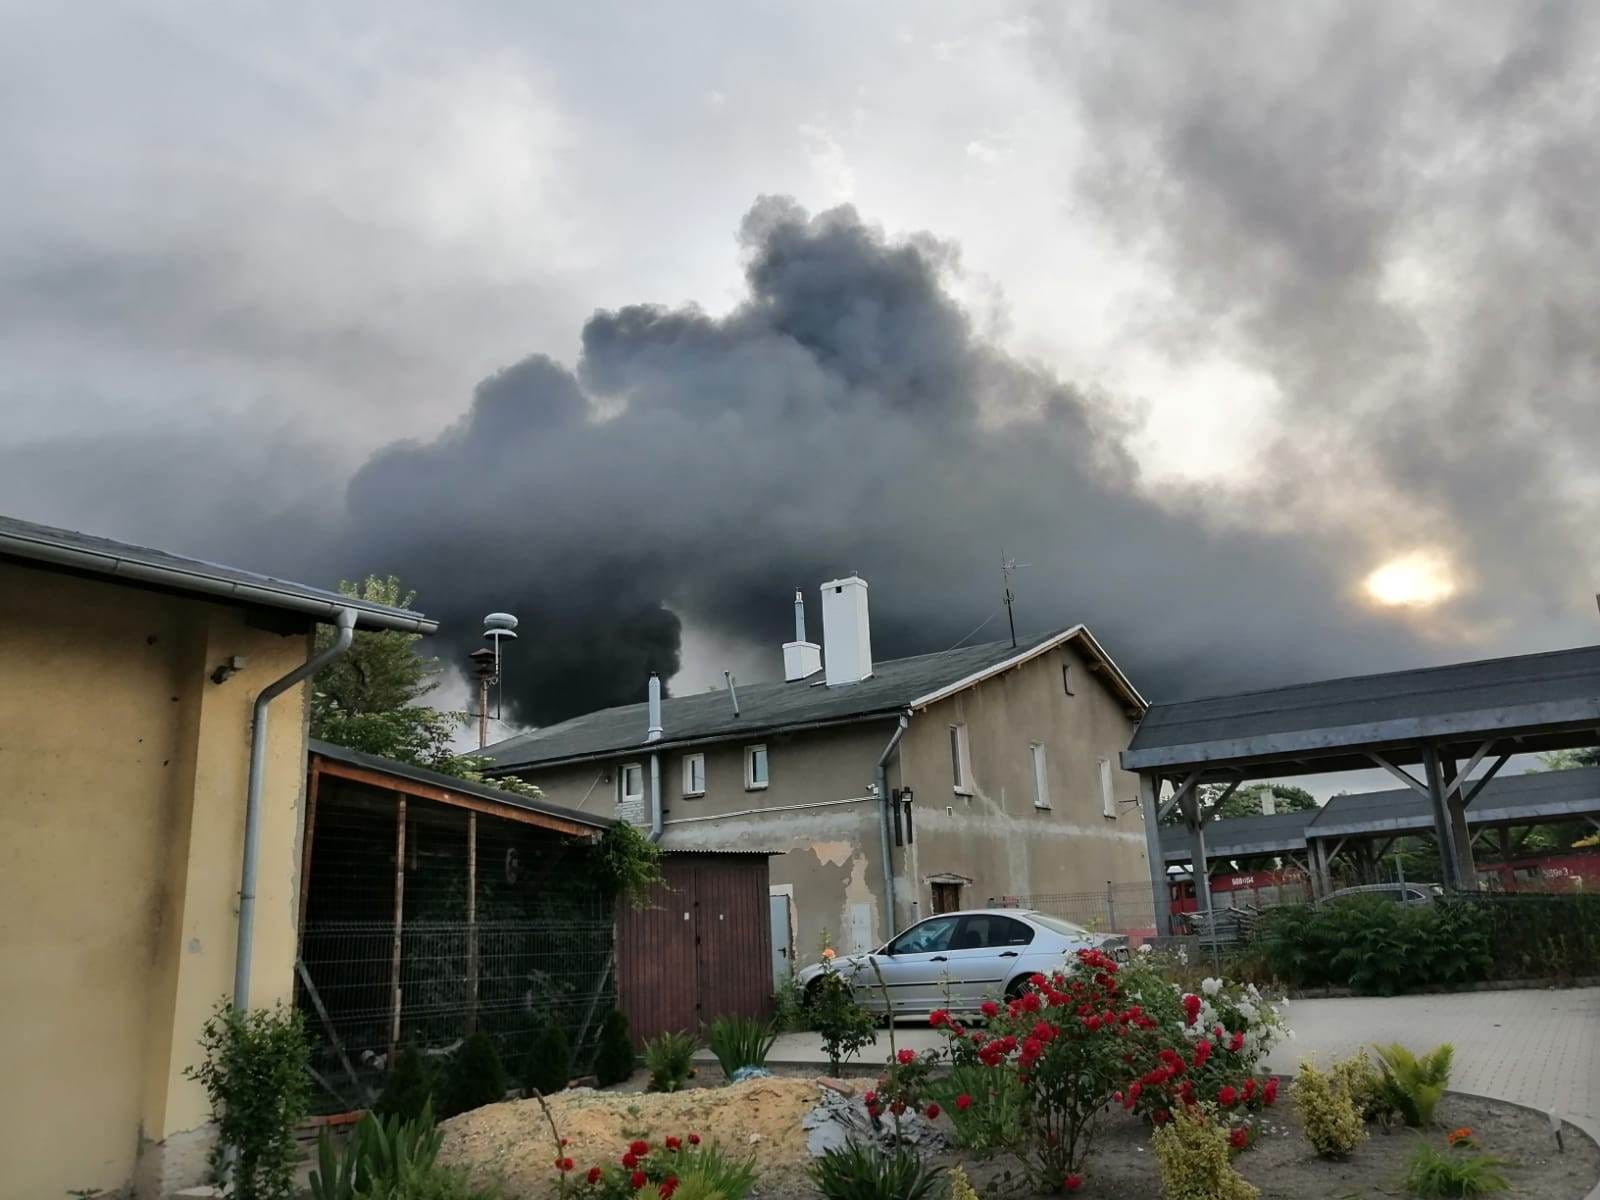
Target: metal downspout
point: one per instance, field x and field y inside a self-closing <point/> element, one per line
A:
<point x="655" y="797"/>
<point x="346" y="621"/>
<point x="883" y="821"/>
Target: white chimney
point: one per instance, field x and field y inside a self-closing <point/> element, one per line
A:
<point x="1269" y="801"/>
<point x="653" y="734"/>
<point x="846" y="632"/>
<point x="801" y="659"/>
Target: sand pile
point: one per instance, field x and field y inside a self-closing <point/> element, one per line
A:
<point x="510" y="1142"/>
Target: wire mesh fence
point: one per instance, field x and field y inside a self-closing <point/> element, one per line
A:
<point x="534" y="946"/>
<point x="1125" y="908"/>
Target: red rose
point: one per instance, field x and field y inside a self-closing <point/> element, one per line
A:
<point x="1202" y="1051"/>
<point x="674" y="1143"/>
<point x="1238" y="1042"/>
<point x="1240" y="1138"/>
<point x="963" y="1102"/>
<point x="668" y="1186"/>
<point x="1134" y="1090"/>
<point x="1191" y="1008"/>
<point x="630" y="1160"/>
<point x="1270" y="1093"/>
<point x="991" y="1009"/>
<point x="694" y="1139"/>
<point x="1226" y="1097"/>
<point x="637" y="1180"/>
<point x="1073" y="1182"/>
<point x="1092" y="1024"/>
<point x="1249" y="1088"/>
<point x="1031" y="1002"/>
<point x="639" y="1148"/>
<point x="907" y="1057"/>
<point x="1116" y="1097"/>
<point x="938" y="1017"/>
<point x="898" y="1107"/>
<point x="594" y="1174"/>
<point x="933" y="1112"/>
<point x="871" y="1098"/>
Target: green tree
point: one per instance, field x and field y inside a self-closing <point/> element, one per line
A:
<point x="1246" y="801"/>
<point x="369" y="698"/>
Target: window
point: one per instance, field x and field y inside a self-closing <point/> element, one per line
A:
<point x="988" y="931"/>
<point x="930" y="937"/>
<point x="1066" y="678"/>
<point x="1108" y="795"/>
<point x="1041" y="776"/>
<point x="755" y="767"/>
<point x="694" y="774"/>
<point x="946" y="897"/>
<point x="630" y="784"/>
<point x="960" y="760"/>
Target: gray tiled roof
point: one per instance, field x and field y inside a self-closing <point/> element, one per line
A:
<point x="453" y="783"/>
<point x="140" y="565"/>
<point x="1530" y="691"/>
<point x="762" y="706"/>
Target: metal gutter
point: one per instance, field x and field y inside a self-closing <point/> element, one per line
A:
<point x="196" y="580"/>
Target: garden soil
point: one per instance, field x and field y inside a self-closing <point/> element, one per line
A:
<point x="510" y="1143"/>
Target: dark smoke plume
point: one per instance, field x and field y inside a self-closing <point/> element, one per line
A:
<point x="844" y="416"/>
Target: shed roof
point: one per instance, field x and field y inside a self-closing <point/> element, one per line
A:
<point x="1242" y="837"/>
<point x="66" y="549"/>
<point x="377" y="765"/>
<point x="894" y="686"/>
<point x="1552" y="699"/>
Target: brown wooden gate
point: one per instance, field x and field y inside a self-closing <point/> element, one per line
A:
<point x="701" y="949"/>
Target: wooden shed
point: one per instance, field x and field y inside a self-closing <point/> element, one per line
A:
<point x="701" y="948"/>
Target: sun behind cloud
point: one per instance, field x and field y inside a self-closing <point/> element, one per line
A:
<point x="1417" y="579"/>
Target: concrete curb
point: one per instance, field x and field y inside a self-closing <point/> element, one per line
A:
<point x="1493" y="985"/>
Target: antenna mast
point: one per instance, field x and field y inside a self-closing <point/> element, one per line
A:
<point x="1008" y="567"/>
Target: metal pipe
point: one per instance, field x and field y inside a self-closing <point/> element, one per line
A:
<point x="346" y="622"/>
<point x="883" y="821"/>
<point x="655" y="796"/>
<point x="733" y="692"/>
<point x="799" y="615"/>
<point x="653" y="732"/>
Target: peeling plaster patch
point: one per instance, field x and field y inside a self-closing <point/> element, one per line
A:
<point x="835" y="854"/>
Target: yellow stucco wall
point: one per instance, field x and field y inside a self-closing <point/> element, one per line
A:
<point x="121" y="825"/>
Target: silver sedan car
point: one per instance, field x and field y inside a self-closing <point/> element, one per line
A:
<point x="958" y="960"/>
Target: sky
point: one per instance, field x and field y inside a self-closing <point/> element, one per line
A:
<point x="1264" y="334"/>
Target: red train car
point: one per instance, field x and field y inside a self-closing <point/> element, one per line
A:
<point x="1259" y="889"/>
<point x="1558" y="871"/>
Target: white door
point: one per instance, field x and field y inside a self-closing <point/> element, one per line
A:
<point x="782" y="951"/>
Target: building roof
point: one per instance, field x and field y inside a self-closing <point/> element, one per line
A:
<point x="1538" y="796"/>
<point x="67" y="549"/>
<point x="894" y="686"/>
<point x="1549" y="700"/>
<point x="439" y="781"/>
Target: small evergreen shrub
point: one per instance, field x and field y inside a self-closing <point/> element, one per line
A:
<point x="1432" y="1174"/>
<point x="409" y="1090"/>
<point x="1413" y="1086"/>
<point x="548" y="1067"/>
<point x="1327" y="1112"/>
<point x="474" y="1078"/>
<point x="858" y="1172"/>
<point x="1364" y="1083"/>
<point x="614" y="1058"/>
<point x="256" y="1076"/>
<point x="740" y="1042"/>
<point x="1193" y="1157"/>
<point x="669" y="1058"/>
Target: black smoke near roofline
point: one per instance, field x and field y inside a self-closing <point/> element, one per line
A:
<point x="845" y="416"/>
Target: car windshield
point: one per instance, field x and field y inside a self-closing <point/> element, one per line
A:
<point x="1057" y="925"/>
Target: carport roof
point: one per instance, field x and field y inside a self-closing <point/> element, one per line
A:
<point x="1547" y="700"/>
<point x="1242" y="837"/>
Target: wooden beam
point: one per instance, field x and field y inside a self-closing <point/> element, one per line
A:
<point x="1403" y="776"/>
<point x="1458" y="780"/>
<point x="1480" y="784"/>
<point x="1178" y="796"/>
<point x="427" y="791"/>
<point x="1206" y="812"/>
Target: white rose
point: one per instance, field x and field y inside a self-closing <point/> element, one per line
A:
<point x="1211" y="986"/>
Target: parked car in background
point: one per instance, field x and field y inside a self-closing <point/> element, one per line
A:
<point x="958" y="960"/>
<point x="1399" y="893"/>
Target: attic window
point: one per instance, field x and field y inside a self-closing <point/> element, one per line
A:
<point x="1066" y="678"/>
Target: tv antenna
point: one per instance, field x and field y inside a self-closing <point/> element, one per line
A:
<point x="1008" y="568"/>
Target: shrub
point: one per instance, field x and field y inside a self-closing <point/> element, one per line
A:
<point x="1193" y="1157"/>
<point x="614" y="1059"/>
<point x="678" y="1167"/>
<point x="1327" y="1112"/>
<point x="410" y="1087"/>
<point x="548" y="1067"/>
<point x="789" y="1006"/>
<point x="740" y="1042"/>
<point x="844" y="1026"/>
<point x="627" y="864"/>
<point x="381" y="1157"/>
<point x="256" y="1076"/>
<point x="474" y="1078"/>
<point x="1375" y="946"/>
<point x="1364" y="1084"/>
<point x="1413" y="1086"/>
<point x="858" y="1172"/>
<point x="1454" y="1173"/>
<point x="669" y="1057"/>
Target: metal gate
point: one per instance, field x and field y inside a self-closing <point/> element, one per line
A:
<point x="700" y="949"/>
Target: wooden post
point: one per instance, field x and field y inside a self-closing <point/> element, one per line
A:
<point x="472" y="922"/>
<point x="313" y="785"/>
<point x="1440" y="809"/>
<point x="1161" y="903"/>
<point x="1460" y="834"/>
<point x="399" y="922"/>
